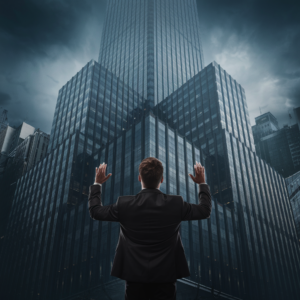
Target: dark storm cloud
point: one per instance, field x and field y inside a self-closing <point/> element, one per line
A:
<point x="265" y="36"/>
<point x="4" y="98"/>
<point x="42" y="45"/>
<point x="29" y="27"/>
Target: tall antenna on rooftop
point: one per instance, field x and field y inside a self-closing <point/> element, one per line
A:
<point x="290" y="116"/>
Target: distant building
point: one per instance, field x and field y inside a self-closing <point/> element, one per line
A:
<point x="11" y="137"/>
<point x="265" y="124"/>
<point x="30" y="151"/>
<point x="21" y="159"/>
<point x="5" y="141"/>
<point x="297" y="115"/>
<point x="149" y="95"/>
<point x="278" y="147"/>
<point x="3" y="120"/>
<point x="293" y="188"/>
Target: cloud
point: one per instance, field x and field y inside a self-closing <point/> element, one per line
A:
<point x="42" y="45"/>
<point x="52" y="79"/>
<point x="4" y="98"/>
<point x="31" y="27"/>
<point x="257" y="43"/>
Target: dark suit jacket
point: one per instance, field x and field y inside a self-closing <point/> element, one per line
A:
<point x="149" y="247"/>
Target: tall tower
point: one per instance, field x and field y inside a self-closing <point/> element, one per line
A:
<point x="154" y="46"/>
<point x="149" y="95"/>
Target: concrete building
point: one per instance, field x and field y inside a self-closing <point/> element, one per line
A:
<point x="11" y="137"/>
<point x="265" y="124"/>
<point x="30" y="151"/>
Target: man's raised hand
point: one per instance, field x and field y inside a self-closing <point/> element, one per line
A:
<point x="100" y="174"/>
<point x="199" y="174"/>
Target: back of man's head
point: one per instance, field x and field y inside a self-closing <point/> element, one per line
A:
<point x="151" y="171"/>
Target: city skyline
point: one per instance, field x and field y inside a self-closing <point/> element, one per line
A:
<point x="249" y="45"/>
<point x="247" y="249"/>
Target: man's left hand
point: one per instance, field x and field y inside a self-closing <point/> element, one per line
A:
<point x="100" y="174"/>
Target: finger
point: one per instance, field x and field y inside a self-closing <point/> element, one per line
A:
<point x="102" y="167"/>
<point x="193" y="178"/>
<point x="107" y="176"/>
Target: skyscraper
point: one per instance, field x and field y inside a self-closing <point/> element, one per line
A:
<point x="296" y="111"/>
<point x="265" y="124"/>
<point x="23" y="157"/>
<point x="123" y="109"/>
<point x="153" y="46"/>
<point x="281" y="149"/>
<point x="293" y="188"/>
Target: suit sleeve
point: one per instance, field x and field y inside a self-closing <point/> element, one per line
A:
<point x="198" y="211"/>
<point x="97" y="210"/>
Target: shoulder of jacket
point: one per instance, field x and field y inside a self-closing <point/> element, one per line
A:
<point x="174" y="197"/>
<point x="126" y="197"/>
<point x="170" y="195"/>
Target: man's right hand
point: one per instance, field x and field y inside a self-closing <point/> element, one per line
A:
<point x="199" y="174"/>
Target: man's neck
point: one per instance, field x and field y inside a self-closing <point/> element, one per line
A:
<point x="145" y="188"/>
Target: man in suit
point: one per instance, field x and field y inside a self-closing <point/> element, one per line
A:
<point x="150" y="255"/>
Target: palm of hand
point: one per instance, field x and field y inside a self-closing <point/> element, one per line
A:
<point x="100" y="174"/>
<point x="199" y="174"/>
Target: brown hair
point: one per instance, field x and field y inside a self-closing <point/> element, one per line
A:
<point x="151" y="171"/>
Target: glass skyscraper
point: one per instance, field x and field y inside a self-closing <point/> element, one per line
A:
<point x="293" y="188"/>
<point x="281" y="149"/>
<point x="153" y="46"/>
<point x="124" y="108"/>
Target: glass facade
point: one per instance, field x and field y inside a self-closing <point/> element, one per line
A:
<point x="281" y="149"/>
<point x="293" y="188"/>
<point x="96" y="103"/>
<point x="124" y="167"/>
<point x="153" y="46"/>
<point x="247" y="249"/>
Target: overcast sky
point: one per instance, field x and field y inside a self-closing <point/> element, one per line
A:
<point x="44" y="43"/>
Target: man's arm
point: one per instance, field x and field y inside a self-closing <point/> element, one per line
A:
<point x="203" y="209"/>
<point x="199" y="211"/>
<point x="97" y="210"/>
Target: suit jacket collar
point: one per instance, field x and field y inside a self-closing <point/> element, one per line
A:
<point x="151" y="191"/>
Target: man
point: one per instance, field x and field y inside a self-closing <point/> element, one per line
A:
<point x="150" y="255"/>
